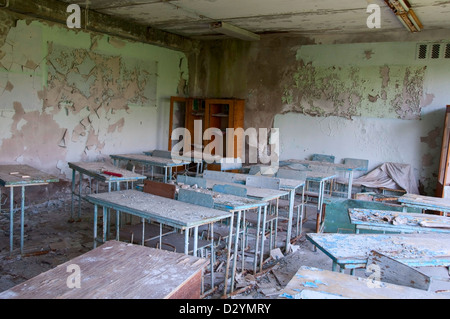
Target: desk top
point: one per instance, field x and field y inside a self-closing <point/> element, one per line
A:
<point x="23" y="175"/>
<point x="337" y="166"/>
<point x="285" y="184"/>
<point x="413" y="249"/>
<point x="313" y="283"/>
<point x="114" y="271"/>
<point x="151" y="160"/>
<point x="231" y="202"/>
<point x="399" y="221"/>
<point x="263" y="194"/>
<point x="159" y="209"/>
<point x="96" y="169"/>
<point x="431" y="203"/>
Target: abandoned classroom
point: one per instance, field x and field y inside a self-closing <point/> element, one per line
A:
<point x="252" y="149"/>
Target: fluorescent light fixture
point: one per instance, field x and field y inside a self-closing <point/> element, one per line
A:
<point x="233" y="31"/>
<point x="406" y="15"/>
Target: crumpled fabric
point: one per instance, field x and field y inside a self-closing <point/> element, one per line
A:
<point x="390" y="175"/>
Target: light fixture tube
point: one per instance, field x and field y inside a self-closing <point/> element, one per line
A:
<point x="233" y="31"/>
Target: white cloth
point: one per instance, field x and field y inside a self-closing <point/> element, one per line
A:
<point x="390" y="175"/>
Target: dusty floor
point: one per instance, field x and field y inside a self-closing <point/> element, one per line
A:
<point x="50" y="240"/>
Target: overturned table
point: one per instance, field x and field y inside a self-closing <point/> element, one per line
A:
<point x="118" y="271"/>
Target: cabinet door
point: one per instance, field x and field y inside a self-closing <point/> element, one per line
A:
<point x="443" y="187"/>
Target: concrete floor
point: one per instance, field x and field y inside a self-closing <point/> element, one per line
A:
<point x="51" y="240"/>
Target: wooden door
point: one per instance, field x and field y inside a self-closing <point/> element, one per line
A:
<point x="443" y="187"/>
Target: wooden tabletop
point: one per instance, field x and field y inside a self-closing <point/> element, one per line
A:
<point x="159" y="209"/>
<point x="23" y="175"/>
<point x="313" y="283"/>
<point x="114" y="271"/>
<point x="97" y="169"/>
<point x="231" y="202"/>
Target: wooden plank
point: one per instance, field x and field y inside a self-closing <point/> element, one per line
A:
<point x="332" y="285"/>
<point x="118" y="271"/>
<point x="395" y="272"/>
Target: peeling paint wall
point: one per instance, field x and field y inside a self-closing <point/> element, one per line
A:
<point x="68" y="95"/>
<point x="364" y="100"/>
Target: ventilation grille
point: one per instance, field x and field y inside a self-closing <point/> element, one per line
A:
<point x="433" y="51"/>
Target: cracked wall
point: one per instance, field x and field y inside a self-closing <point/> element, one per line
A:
<point x="363" y="100"/>
<point x="68" y="95"/>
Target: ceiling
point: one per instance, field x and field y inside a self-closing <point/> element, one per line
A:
<point x="192" y="18"/>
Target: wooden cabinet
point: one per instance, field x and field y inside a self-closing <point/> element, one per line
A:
<point x="221" y="114"/>
<point x="443" y="187"/>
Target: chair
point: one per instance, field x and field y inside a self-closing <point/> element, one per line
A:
<point x="298" y="205"/>
<point x="162" y="154"/>
<point x="219" y="176"/>
<point x="323" y="158"/>
<point x="262" y="170"/>
<point x="231" y="190"/>
<point x="229" y="164"/>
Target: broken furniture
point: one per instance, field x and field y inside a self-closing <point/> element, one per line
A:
<point x="184" y="217"/>
<point x="261" y="194"/>
<point x="100" y="172"/>
<point x="443" y="185"/>
<point x="118" y="270"/>
<point x="426" y="203"/>
<point x="314" y="283"/>
<point x="21" y="176"/>
<point x="291" y="185"/>
<point x="351" y="251"/>
<point x="397" y="222"/>
<point x="336" y="212"/>
<point x="238" y="206"/>
<point x="166" y="163"/>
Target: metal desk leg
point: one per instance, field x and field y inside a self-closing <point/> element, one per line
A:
<point x="22" y="220"/>
<point x="73" y="194"/>
<point x="195" y="241"/>
<point x="236" y="244"/>
<point x="95" y="224"/>
<point x="290" y="218"/>
<point x="105" y="218"/>
<point x="165" y="174"/>
<point x="261" y="257"/>
<point x="11" y="220"/>
<point x="212" y="259"/>
<point x="258" y="229"/>
<point x="79" y="196"/>
<point x="230" y="239"/>
<point x="186" y="242"/>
